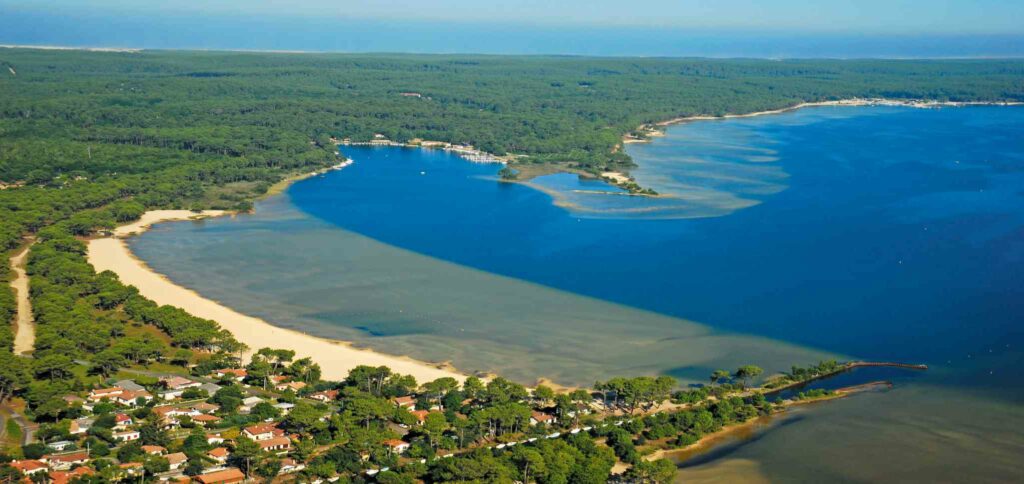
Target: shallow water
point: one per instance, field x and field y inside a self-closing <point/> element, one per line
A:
<point x="876" y="233"/>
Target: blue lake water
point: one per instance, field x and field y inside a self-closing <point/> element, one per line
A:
<point x="877" y="233"/>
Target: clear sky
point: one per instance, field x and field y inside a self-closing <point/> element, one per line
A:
<point x="862" y="16"/>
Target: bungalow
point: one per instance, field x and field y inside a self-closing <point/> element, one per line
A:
<point x="275" y="444"/>
<point x="29" y="467"/>
<point x="406" y="402"/>
<point x="218" y="455"/>
<point x="80" y="425"/>
<point x="99" y="394"/>
<point x="206" y="420"/>
<point x="63" y="462"/>
<point x="122" y="421"/>
<point x="227" y="476"/>
<point x="204" y="407"/>
<point x="289" y="466"/>
<point x="129" y="385"/>
<point x="127" y="435"/>
<point x="130" y="398"/>
<point x="176" y="460"/>
<point x="154" y="449"/>
<point x="284" y="407"/>
<point x="64" y="477"/>
<point x="214" y="439"/>
<point x="294" y="386"/>
<point x="131" y="468"/>
<point x="541" y="418"/>
<point x="262" y="432"/>
<point x="248" y="403"/>
<point x="60" y="445"/>
<point x="236" y="374"/>
<point x="421" y="415"/>
<point x="325" y="396"/>
<point x="396" y="446"/>
<point x="179" y="383"/>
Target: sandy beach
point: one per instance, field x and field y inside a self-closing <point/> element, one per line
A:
<point x="335" y="358"/>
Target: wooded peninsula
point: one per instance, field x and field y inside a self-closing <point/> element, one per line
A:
<point x="93" y="140"/>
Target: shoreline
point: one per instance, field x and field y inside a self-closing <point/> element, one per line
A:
<point x="651" y="129"/>
<point x="335" y="357"/>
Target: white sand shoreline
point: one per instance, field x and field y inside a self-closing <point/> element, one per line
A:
<point x="335" y="358"/>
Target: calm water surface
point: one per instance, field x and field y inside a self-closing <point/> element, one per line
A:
<point x="878" y="233"/>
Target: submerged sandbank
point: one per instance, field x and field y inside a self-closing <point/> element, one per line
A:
<point x="335" y="358"/>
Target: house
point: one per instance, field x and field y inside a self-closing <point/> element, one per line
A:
<point x="218" y="455"/>
<point x="99" y="394"/>
<point x="80" y="425"/>
<point x="248" y="403"/>
<point x="541" y="418"/>
<point x="131" y="398"/>
<point x="236" y="374"/>
<point x="214" y="439"/>
<point x="294" y="386"/>
<point x="284" y="407"/>
<point x="406" y="402"/>
<point x="176" y="460"/>
<point x="63" y="462"/>
<point x="126" y="436"/>
<point x="29" y="467"/>
<point x="205" y="420"/>
<point x="154" y="449"/>
<point x="132" y="468"/>
<point x="210" y="388"/>
<point x="130" y="385"/>
<point x="179" y="383"/>
<point x="275" y="444"/>
<point x="397" y="446"/>
<point x="226" y="476"/>
<point x="289" y="466"/>
<point x="122" y="421"/>
<point x="60" y="445"/>
<point x="204" y="407"/>
<point x="262" y="432"/>
<point x="64" y="477"/>
<point x="421" y="415"/>
<point x="325" y="396"/>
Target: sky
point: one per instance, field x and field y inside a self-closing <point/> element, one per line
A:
<point x="716" y="28"/>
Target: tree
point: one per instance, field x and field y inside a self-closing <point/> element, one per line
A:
<point x="529" y="461"/>
<point x="747" y="372"/>
<point x="719" y="376"/>
<point x="435" y="424"/>
<point x="543" y="393"/>
<point x="247" y="455"/>
<point x="13" y="374"/>
<point x="107" y="362"/>
<point x="661" y="471"/>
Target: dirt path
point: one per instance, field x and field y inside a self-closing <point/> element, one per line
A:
<point x="25" y="328"/>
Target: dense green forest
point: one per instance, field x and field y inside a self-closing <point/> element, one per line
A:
<point x="89" y="140"/>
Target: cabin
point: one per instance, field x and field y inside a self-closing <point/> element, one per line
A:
<point x="60" y="445"/>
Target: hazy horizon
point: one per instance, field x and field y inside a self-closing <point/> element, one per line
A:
<point x="190" y="26"/>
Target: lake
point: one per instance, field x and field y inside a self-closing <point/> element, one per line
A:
<point x="880" y="233"/>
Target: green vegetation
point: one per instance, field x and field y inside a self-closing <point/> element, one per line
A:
<point x="90" y="140"/>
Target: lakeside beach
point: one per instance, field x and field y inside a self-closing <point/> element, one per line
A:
<point x="335" y="358"/>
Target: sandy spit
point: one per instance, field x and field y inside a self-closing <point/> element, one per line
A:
<point x="335" y="358"/>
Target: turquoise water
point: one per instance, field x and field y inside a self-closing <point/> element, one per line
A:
<point x="877" y="233"/>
